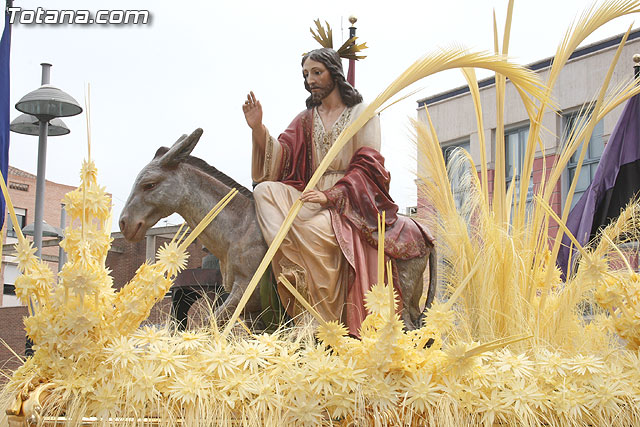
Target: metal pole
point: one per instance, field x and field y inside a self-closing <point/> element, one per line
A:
<point x="46" y="73"/>
<point x="40" y="182"/>
<point x="42" y="163"/>
<point x="62" y="257"/>
<point x="351" y="74"/>
<point x="39" y="213"/>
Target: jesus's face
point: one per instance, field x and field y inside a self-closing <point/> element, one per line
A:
<point x="318" y="79"/>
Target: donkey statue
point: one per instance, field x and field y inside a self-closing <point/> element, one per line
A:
<point x="175" y="181"/>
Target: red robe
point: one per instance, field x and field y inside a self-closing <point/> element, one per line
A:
<point x="354" y="203"/>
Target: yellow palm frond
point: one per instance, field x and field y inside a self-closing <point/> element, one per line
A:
<point x="472" y="81"/>
<point x="590" y="20"/>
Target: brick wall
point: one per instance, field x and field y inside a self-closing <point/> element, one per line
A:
<point x="125" y="258"/>
<point x="19" y="181"/>
<point x="490" y="181"/>
<point x="13" y="334"/>
<point x="556" y="195"/>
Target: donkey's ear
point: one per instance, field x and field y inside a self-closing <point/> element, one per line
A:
<point x="163" y="150"/>
<point x="181" y="149"/>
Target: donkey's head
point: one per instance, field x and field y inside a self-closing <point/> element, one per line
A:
<point x="158" y="188"/>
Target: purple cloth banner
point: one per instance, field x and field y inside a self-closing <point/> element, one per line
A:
<point x="609" y="191"/>
<point x="5" y="48"/>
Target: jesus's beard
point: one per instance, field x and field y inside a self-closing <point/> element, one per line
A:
<point x="322" y="92"/>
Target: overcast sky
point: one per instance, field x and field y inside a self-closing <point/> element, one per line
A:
<point x="193" y="64"/>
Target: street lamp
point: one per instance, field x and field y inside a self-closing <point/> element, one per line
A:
<point x="27" y="124"/>
<point x="51" y="231"/>
<point x="46" y="104"/>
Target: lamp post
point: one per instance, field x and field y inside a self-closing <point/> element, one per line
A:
<point x="27" y="124"/>
<point x="46" y="104"/>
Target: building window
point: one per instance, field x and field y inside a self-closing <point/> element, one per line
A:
<point x="18" y="186"/>
<point x="515" y="147"/>
<point x="591" y="158"/>
<point x="9" y="298"/>
<point x="515" y="141"/>
<point x="458" y="175"/>
<point x="21" y="215"/>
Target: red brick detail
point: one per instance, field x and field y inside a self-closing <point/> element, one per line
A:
<point x="128" y="256"/>
<point x="540" y="165"/>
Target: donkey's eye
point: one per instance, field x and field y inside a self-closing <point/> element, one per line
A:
<point x="149" y="186"/>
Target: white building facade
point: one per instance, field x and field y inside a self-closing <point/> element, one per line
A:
<point x="453" y="116"/>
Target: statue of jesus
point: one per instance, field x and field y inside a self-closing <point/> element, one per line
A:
<point x="330" y="252"/>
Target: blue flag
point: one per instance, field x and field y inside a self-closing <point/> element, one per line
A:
<point x="5" y="48"/>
